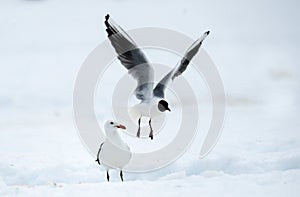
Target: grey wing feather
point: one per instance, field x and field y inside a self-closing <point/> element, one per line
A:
<point x="132" y="58"/>
<point x="159" y="90"/>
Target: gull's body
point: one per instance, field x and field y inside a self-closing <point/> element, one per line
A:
<point x="146" y="109"/>
<point x="152" y="99"/>
<point x="113" y="153"/>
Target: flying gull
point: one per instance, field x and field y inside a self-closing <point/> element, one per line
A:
<point x="152" y="99"/>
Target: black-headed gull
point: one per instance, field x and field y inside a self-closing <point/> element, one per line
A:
<point x="113" y="152"/>
<point x="152" y="100"/>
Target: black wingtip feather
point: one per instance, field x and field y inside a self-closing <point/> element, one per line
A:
<point x="109" y="29"/>
<point x="106" y="17"/>
<point x="97" y="160"/>
<point x="106" y="24"/>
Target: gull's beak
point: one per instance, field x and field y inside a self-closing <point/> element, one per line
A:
<point x="121" y="126"/>
<point x="168" y="109"/>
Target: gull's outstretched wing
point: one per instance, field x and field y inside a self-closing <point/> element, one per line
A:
<point x="159" y="90"/>
<point x="132" y="58"/>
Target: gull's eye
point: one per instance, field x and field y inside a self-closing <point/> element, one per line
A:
<point x="111" y="123"/>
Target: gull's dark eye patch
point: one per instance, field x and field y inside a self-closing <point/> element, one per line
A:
<point x="111" y="123"/>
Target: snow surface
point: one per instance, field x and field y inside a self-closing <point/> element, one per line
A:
<point x="255" y="46"/>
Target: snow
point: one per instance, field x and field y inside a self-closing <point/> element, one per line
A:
<point x="210" y="184"/>
<point x="255" y="46"/>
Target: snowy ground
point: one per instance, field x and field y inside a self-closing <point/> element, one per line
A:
<point x="255" y="46"/>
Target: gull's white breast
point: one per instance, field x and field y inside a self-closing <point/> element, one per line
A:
<point x="114" y="155"/>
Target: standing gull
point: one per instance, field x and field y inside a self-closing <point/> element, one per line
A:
<point x="113" y="152"/>
<point x="152" y="99"/>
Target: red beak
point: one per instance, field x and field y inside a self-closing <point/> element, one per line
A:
<point x="121" y="126"/>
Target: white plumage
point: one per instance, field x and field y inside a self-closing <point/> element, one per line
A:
<point x="113" y="153"/>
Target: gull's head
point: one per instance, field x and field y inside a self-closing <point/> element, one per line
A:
<point x="113" y="126"/>
<point x="163" y="106"/>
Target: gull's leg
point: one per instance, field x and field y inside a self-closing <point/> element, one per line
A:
<point x="121" y="175"/>
<point x="139" y="129"/>
<point x="107" y="175"/>
<point x="151" y="130"/>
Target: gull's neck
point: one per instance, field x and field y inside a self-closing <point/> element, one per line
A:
<point x="114" y="137"/>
